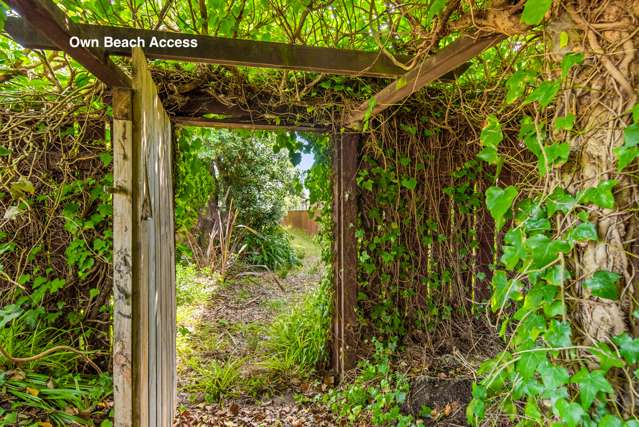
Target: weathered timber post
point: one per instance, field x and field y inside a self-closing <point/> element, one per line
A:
<point x="122" y="256"/>
<point x="344" y="339"/>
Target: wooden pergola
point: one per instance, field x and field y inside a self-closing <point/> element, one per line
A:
<point x="143" y="248"/>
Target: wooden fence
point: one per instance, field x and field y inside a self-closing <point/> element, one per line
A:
<point x="302" y="220"/>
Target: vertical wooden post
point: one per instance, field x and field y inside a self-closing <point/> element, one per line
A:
<point x="345" y="160"/>
<point x="122" y="256"/>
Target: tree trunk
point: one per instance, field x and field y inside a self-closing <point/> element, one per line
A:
<point x="600" y="93"/>
<point x="209" y="215"/>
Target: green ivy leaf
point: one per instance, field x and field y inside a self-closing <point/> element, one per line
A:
<point x="532" y="410"/>
<point x="569" y="61"/>
<point x="583" y="232"/>
<point x="630" y="149"/>
<point x="499" y="201"/>
<point x="436" y="7"/>
<point x="603" y="284"/>
<point x="591" y="383"/>
<point x="9" y="313"/>
<point x="553" y="376"/>
<point x="504" y="290"/>
<point x="21" y="187"/>
<point x="601" y="195"/>
<point x="606" y="357"/>
<point x="565" y="123"/>
<point x="628" y="347"/>
<point x="571" y="413"/>
<point x="544" y="94"/>
<point x="489" y="155"/>
<point x="543" y="250"/>
<point x="409" y="183"/>
<point x="609" y="420"/>
<point x="491" y="135"/>
<point x="560" y="201"/>
<point x="517" y="83"/>
<point x="529" y="362"/>
<point x="534" y="11"/>
<point x="558" y="334"/>
<point x="635" y="113"/>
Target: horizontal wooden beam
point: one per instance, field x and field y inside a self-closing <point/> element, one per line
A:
<point x="448" y="59"/>
<point x="241" y="124"/>
<point x="218" y="50"/>
<point x="45" y="21"/>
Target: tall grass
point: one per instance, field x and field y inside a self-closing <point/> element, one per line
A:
<point x="298" y="339"/>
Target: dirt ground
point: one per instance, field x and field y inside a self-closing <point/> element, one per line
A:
<point x="225" y="376"/>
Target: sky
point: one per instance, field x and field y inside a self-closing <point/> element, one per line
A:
<point x="307" y="161"/>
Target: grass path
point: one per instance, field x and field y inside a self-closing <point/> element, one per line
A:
<point x="236" y="363"/>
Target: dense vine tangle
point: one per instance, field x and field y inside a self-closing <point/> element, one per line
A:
<point x="54" y="177"/>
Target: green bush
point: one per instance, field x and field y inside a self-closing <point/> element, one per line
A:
<point x="271" y="248"/>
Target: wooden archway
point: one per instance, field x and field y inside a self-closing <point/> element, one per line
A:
<point x="144" y="247"/>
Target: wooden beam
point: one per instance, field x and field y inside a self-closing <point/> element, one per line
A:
<point x="122" y="257"/>
<point x="46" y="21"/>
<point x="449" y="58"/>
<point x="218" y="50"/>
<point x="344" y="336"/>
<point x="244" y="124"/>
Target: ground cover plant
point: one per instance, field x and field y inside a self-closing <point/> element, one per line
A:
<point x="496" y="235"/>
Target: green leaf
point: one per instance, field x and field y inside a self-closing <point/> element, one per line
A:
<point x="565" y="123"/>
<point x="603" y="284"/>
<point x="489" y="155"/>
<point x="517" y="83"/>
<point x="569" y="61"/>
<point x="544" y="94"/>
<point x="630" y="149"/>
<point x="409" y="183"/>
<point x="591" y="383"/>
<point x="606" y="357"/>
<point x="583" y="232"/>
<point x="635" y="113"/>
<point x="558" y="334"/>
<point x="571" y="413"/>
<point x="609" y="420"/>
<point x="560" y="201"/>
<point x="21" y="187"/>
<point x="4" y="151"/>
<point x="499" y="201"/>
<point x="544" y="250"/>
<point x="9" y="313"/>
<point x="401" y="82"/>
<point x="529" y="362"/>
<point x="628" y="347"/>
<point x="435" y="8"/>
<point x="504" y="290"/>
<point x="601" y="195"/>
<point x="534" y="11"/>
<point x="553" y="376"/>
<point x="491" y="134"/>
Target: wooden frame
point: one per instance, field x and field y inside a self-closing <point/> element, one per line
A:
<point x="123" y="256"/>
<point x="50" y="22"/>
<point x="44" y="26"/>
<point x="345" y="163"/>
<point x="450" y="58"/>
<point x="219" y="50"/>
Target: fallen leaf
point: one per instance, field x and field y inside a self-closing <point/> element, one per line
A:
<point x="33" y="391"/>
<point x="234" y="409"/>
